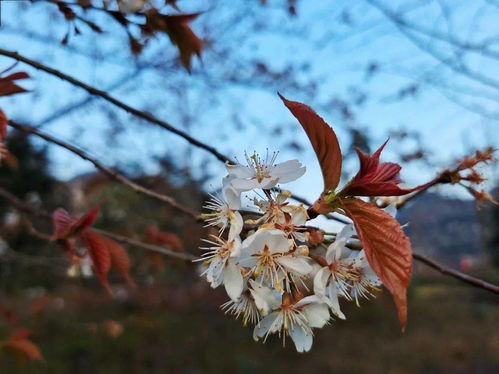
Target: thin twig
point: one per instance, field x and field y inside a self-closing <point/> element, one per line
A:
<point x="479" y="283"/>
<point x="109" y="172"/>
<point x="136" y="112"/>
<point x="456" y="274"/>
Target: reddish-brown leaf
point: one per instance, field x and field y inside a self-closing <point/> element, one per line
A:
<point x="376" y="178"/>
<point x="65" y="226"/>
<point x="21" y="333"/>
<point x="180" y="33"/>
<point x="9" y="316"/>
<point x="61" y="220"/>
<point x="169" y="239"/>
<point x="7" y="85"/>
<point x="323" y="141"/>
<point x="119" y="259"/>
<point x="4" y="121"/>
<point x="387" y="248"/>
<point x="100" y="255"/>
<point x="22" y="349"/>
<point x="85" y="221"/>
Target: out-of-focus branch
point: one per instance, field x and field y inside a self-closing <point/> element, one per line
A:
<point x="457" y="66"/>
<point x="109" y="172"/>
<point x="78" y="105"/>
<point x="476" y="282"/>
<point x="398" y="19"/>
<point x="456" y="274"/>
<point x="25" y="208"/>
<point x="136" y="112"/>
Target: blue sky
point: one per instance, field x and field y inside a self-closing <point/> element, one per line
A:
<point x="337" y="55"/>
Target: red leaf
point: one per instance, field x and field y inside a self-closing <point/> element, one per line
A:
<point x="22" y="349"/>
<point x="119" y="259"/>
<point x="21" y="333"/>
<point x="169" y="239"/>
<point x="7" y="85"/>
<point x="376" y="178"/>
<point x="65" y="226"/>
<point x="61" y="221"/>
<point x="4" y="121"/>
<point x="9" y="316"/>
<point x="183" y="37"/>
<point x="85" y="221"/>
<point x="100" y="255"/>
<point x="323" y="141"/>
<point x="387" y="248"/>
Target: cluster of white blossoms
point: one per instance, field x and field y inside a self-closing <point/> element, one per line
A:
<point x="278" y="275"/>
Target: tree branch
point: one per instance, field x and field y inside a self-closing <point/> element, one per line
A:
<point x="456" y="274"/>
<point x="109" y="172"/>
<point x="136" y="112"/>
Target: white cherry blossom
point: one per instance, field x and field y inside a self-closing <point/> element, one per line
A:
<point x="244" y="306"/>
<point x="263" y="174"/>
<point x="332" y="281"/>
<point x="366" y="281"/>
<point x="267" y="253"/>
<point x="222" y="265"/>
<point x="223" y="216"/>
<point x="295" y="319"/>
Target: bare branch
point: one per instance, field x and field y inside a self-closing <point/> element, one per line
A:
<point x="109" y="172"/>
<point x="136" y="112"/>
<point x="456" y="274"/>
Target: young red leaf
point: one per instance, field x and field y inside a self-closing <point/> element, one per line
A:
<point x="100" y="255"/>
<point x="7" y="85"/>
<point x="4" y="121"/>
<point x="169" y="239"/>
<point x="180" y="33"/>
<point x="387" y="248"/>
<point x="323" y="141"/>
<point x="61" y="221"/>
<point x="65" y="226"/>
<point x="21" y="333"/>
<point x="119" y="259"/>
<point x="85" y="221"/>
<point x="22" y="349"/>
<point x="376" y="178"/>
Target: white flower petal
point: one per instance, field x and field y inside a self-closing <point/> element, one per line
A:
<point x="317" y="314"/>
<point x="320" y="281"/>
<point x="296" y="265"/>
<point x="268" y="183"/>
<point x="239" y="171"/>
<point x="266" y="300"/>
<point x="335" y="249"/>
<point x="214" y="272"/>
<point x="233" y="280"/>
<point x="266" y="326"/>
<point x="288" y="171"/>
<point x="245" y="184"/>
<point x="236" y="225"/>
<point x="303" y="339"/>
<point x="332" y="301"/>
<point x="232" y="196"/>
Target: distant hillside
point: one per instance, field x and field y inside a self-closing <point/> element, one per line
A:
<point x="445" y="228"/>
